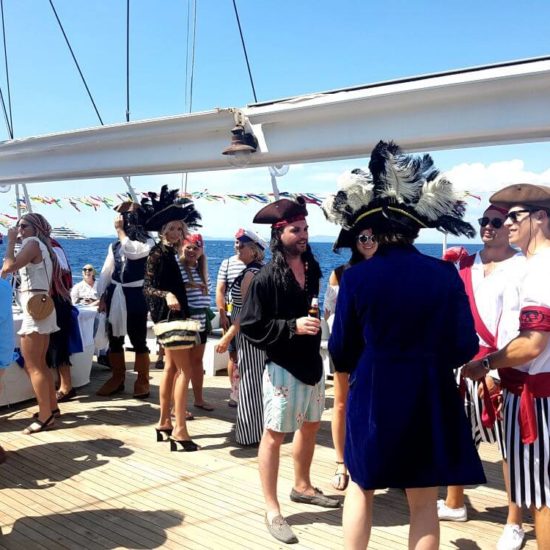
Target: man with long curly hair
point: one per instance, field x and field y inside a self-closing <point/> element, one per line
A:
<point x="275" y="318"/>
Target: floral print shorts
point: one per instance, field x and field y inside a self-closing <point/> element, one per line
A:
<point x="288" y="403"/>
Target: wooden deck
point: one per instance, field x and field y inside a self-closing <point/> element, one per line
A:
<point x="100" y="480"/>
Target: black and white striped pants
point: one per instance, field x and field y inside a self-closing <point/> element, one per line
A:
<point x="250" y="411"/>
<point x="474" y="406"/>
<point x="528" y="465"/>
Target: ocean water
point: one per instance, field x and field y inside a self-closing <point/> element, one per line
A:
<point x="94" y="251"/>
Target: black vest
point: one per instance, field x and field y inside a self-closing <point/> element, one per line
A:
<point x="126" y="270"/>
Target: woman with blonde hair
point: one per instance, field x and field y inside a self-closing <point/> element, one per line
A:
<point x="166" y="297"/>
<point x="39" y="271"/>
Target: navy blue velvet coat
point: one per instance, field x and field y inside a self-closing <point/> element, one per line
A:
<point x="402" y="325"/>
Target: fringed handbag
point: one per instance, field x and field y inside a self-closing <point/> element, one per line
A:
<point x="178" y="333"/>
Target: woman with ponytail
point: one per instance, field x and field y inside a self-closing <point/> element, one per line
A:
<point x="39" y="270"/>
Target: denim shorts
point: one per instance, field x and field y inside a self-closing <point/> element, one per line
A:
<point x="288" y="403"/>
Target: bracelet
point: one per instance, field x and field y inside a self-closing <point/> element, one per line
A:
<point x="486" y="364"/>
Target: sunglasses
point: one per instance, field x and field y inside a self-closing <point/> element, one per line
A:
<point x="366" y="239"/>
<point x="87" y="269"/>
<point x="497" y="223"/>
<point x="24" y="225"/>
<point x="513" y="216"/>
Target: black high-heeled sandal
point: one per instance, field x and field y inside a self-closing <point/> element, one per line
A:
<point x="56" y="413"/>
<point x="187" y="445"/>
<point x="161" y="432"/>
<point x="39" y="426"/>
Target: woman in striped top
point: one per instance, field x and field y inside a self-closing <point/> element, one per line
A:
<point x="251" y="360"/>
<point x="194" y="271"/>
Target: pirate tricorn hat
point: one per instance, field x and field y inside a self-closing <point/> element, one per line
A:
<point x="397" y="191"/>
<point x="527" y="194"/>
<point x="282" y="212"/>
<point x="168" y="207"/>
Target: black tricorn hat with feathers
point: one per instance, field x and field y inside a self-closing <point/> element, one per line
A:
<point x="167" y="208"/>
<point x="396" y="191"/>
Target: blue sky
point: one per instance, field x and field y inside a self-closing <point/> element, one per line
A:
<point x="295" y="47"/>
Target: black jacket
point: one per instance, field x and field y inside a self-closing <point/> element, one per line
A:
<point x="268" y="321"/>
<point x="163" y="275"/>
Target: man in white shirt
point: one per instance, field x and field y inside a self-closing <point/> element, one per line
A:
<point x="491" y="279"/>
<point x="524" y="363"/>
<point x="121" y="289"/>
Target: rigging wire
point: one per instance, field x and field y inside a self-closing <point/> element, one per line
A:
<point x="127" y="60"/>
<point x="76" y="62"/>
<point x="125" y="178"/>
<point x="244" y="50"/>
<point x="10" y="127"/>
<point x="190" y="73"/>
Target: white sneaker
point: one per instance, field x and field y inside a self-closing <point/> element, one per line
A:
<point x="451" y="514"/>
<point x="512" y="537"/>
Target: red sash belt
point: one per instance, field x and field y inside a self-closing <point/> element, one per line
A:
<point x="488" y="413"/>
<point x="527" y="387"/>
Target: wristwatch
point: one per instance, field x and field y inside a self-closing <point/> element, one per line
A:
<point x="486" y="364"/>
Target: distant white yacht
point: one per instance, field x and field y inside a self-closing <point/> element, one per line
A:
<point x="66" y="233"/>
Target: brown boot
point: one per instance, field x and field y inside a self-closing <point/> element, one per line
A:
<point x="141" y="385"/>
<point x="115" y="384"/>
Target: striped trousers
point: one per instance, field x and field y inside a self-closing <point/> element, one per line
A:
<point x="250" y="411"/>
<point x="474" y="406"/>
<point x="528" y="465"/>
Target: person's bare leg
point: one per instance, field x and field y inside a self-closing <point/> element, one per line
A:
<point x="268" y="460"/>
<point x="197" y="373"/>
<point x="166" y="391"/>
<point x="65" y="382"/>
<point x="233" y="374"/>
<point x="515" y="514"/>
<point x="303" y="446"/>
<point x="33" y="349"/>
<point x="455" y="496"/>
<point x="182" y="360"/>
<point x="542" y="526"/>
<point x="424" y="523"/>
<point x="357" y="517"/>
<point x="338" y="427"/>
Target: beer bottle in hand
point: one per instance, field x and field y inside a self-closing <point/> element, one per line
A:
<point x="313" y="310"/>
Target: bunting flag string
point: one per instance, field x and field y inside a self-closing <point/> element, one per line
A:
<point x="96" y="201"/>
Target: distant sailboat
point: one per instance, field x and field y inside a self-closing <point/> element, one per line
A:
<point x="64" y="232"/>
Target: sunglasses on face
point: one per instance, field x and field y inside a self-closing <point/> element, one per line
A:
<point x="497" y="223"/>
<point x="24" y="225"/>
<point x="513" y="216"/>
<point x="366" y="239"/>
<point x="86" y="269"/>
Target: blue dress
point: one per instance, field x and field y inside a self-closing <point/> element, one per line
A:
<point x="402" y="324"/>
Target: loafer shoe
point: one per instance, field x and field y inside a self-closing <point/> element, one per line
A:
<point x="317" y="499"/>
<point x="451" y="514"/>
<point x="279" y="529"/>
<point x="512" y="537"/>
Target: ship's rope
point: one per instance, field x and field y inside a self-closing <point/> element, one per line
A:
<point x="190" y="68"/>
<point x="76" y="62"/>
<point x="244" y="50"/>
<point x="127" y="60"/>
<point x="10" y="122"/>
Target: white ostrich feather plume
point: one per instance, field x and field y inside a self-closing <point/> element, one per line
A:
<point x="436" y="198"/>
<point x="402" y="178"/>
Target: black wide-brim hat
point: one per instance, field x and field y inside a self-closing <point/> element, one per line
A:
<point x="527" y="194"/>
<point x="175" y="212"/>
<point x="283" y="211"/>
